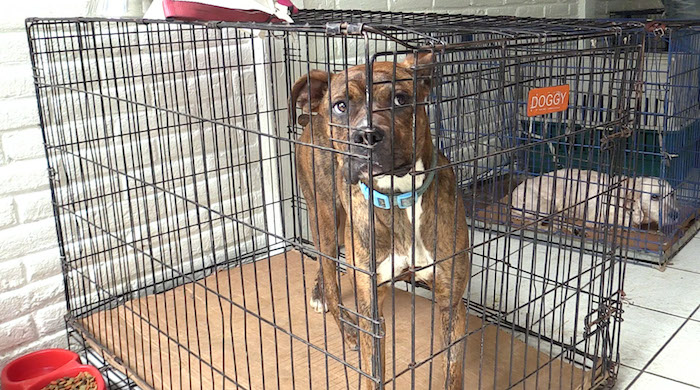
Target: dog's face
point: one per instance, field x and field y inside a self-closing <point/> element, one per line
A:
<point x="341" y="102"/>
<point x="657" y="200"/>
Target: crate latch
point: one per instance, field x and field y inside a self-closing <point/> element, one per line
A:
<point x="625" y="131"/>
<point x="658" y="28"/>
<point x="344" y="28"/>
<point x="601" y="317"/>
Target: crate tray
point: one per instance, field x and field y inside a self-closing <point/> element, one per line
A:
<point x="148" y="337"/>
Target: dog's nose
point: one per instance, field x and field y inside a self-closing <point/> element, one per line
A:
<point x="673" y="214"/>
<point x="367" y="136"/>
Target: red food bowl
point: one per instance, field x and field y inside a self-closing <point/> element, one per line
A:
<point x="37" y="369"/>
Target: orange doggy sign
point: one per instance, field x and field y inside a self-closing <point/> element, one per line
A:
<point x="542" y="101"/>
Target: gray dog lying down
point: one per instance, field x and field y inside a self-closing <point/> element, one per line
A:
<point x="580" y="194"/>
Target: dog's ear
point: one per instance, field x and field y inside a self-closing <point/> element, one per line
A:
<point x="307" y="94"/>
<point x="631" y="193"/>
<point x="423" y="65"/>
<point x="635" y="204"/>
<point x="639" y="187"/>
<point x="632" y="188"/>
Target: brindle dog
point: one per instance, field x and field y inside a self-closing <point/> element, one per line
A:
<point x="443" y="265"/>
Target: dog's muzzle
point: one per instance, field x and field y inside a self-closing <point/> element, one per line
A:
<point x="363" y="142"/>
<point x="674" y="215"/>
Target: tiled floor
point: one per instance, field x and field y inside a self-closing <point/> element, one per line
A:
<point x="660" y="342"/>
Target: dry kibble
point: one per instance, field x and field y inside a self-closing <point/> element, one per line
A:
<point x="84" y="381"/>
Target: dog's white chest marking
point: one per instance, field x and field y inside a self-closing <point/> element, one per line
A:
<point x="401" y="183"/>
<point x="402" y="261"/>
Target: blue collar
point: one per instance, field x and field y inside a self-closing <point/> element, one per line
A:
<point x="405" y="200"/>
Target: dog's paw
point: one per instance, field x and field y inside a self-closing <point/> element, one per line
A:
<point x="350" y="333"/>
<point x="318" y="301"/>
<point x="318" y="305"/>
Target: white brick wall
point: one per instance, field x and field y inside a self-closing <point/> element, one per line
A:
<point x="32" y="306"/>
<point x="31" y="286"/>
<point x="533" y="8"/>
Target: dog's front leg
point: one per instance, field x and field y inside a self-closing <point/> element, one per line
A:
<point x="453" y="318"/>
<point x="326" y="294"/>
<point x="371" y="332"/>
<point x="372" y="360"/>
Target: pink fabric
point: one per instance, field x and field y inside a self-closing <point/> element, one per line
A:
<point x="192" y="10"/>
<point x="289" y="4"/>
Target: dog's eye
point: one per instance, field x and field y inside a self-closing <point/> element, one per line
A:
<point x="340" y="107"/>
<point x="654" y="196"/>
<point x="400" y="99"/>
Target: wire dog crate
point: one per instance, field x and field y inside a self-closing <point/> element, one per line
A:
<point x="217" y="187"/>
<point x="664" y="153"/>
<point x="668" y="143"/>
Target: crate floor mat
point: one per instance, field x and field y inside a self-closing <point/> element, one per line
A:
<point x="162" y="337"/>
